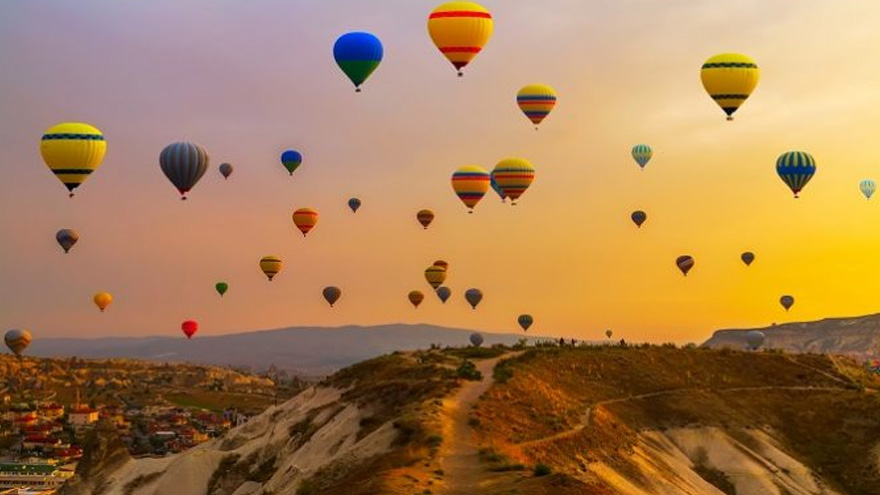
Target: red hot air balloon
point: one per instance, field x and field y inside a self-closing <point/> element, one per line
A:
<point x="189" y="328"/>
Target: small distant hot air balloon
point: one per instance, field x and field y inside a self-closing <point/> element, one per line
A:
<point x="730" y="78"/>
<point x="525" y="321"/>
<point x="513" y="176"/>
<point x="684" y="263"/>
<point x="470" y="183"/>
<point x="291" y="159"/>
<point x="868" y="186"/>
<point x="73" y="151"/>
<point x="642" y="154"/>
<point x="443" y="293"/>
<point x="609" y="334"/>
<point x="332" y="294"/>
<point x="494" y="185"/>
<point x="17" y="341"/>
<point x="305" y="219"/>
<point x="354" y="204"/>
<point x="189" y="328"/>
<point x="271" y="265"/>
<point x="796" y="168"/>
<point x="225" y="170"/>
<point x="755" y="339"/>
<point x="435" y="275"/>
<point x="536" y="101"/>
<point x="442" y="264"/>
<point x="638" y="217"/>
<point x="221" y="288"/>
<point x="184" y="164"/>
<point x="358" y="55"/>
<point x="747" y="257"/>
<point x="425" y="217"/>
<point x="473" y="296"/>
<point x="460" y="30"/>
<point x="102" y="300"/>
<point x="416" y="297"/>
<point x="476" y="339"/>
<point x="66" y="238"/>
<point x="787" y="302"/>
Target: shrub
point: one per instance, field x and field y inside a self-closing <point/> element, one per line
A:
<point x="542" y="469"/>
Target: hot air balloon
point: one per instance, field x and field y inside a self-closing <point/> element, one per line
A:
<point x="291" y="159"/>
<point x="755" y="339"/>
<point x="536" y="101"/>
<point x="103" y="300"/>
<point x="425" y="217"/>
<point x="354" y="204"/>
<point x="358" y="54"/>
<point x="416" y="297"/>
<point x="17" y="341"/>
<point x="787" y="302"/>
<point x="494" y="185"/>
<point x="747" y="257"/>
<point x="608" y="334"/>
<point x="189" y="328"/>
<point x="435" y="275"/>
<point x="476" y="339"/>
<point x="642" y="154"/>
<point x="460" y="30"/>
<point x="66" y="238"/>
<point x="442" y="264"/>
<point x="513" y="176"/>
<point x="271" y="265"/>
<point x="473" y="296"/>
<point x="184" y="164"/>
<point x="796" y="168"/>
<point x="305" y="219"/>
<point x="443" y="293"/>
<point x="684" y="263"/>
<point x="73" y="151"/>
<point x="525" y="321"/>
<point x="868" y="186"/>
<point x="639" y="217"/>
<point x="221" y="288"/>
<point x="730" y="78"/>
<point x="470" y="183"/>
<point x="225" y="170"/>
<point x="331" y="294"/>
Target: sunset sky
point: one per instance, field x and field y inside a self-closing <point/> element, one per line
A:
<point x="247" y="79"/>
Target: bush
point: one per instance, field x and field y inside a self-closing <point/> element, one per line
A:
<point x="542" y="469"/>
<point x="468" y="371"/>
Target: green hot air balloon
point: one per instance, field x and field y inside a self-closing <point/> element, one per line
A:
<point x="221" y="287"/>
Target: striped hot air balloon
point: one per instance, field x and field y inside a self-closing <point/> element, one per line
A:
<point x="642" y="154"/>
<point x="460" y="30"/>
<point x="796" y="168"/>
<point x="271" y="265"/>
<point x="730" y="78"/>
<point x="73" y="151"/>
<point x="536" y="101"/>
<point x="525" y="321"/>
<point x="513" y="176"/>
<point x="305" y="219"/>
<point x="494" y="185"/>
<point x="435" y="275"/>
<point x="442" y="264"/>
<point x="684" y="263"/>
<point x="868" y="187"/>
<point x="425" y="217"/>
<point x="17" y="341"/>
<point x="470" y="184"/>
<point x="184" y="164"/>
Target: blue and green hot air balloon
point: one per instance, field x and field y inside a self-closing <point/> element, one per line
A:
<point x="796" y="168"/>
<point x="291" y="159"/>
<point x="358" y="54"/>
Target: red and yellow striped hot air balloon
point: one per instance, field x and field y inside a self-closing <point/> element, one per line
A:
<point x="460" y="30"/>
<point x="470" y="184"/>
<point x="536" y="101"/>
<point x="305" y="219"/>
<point x="513" y="176"/>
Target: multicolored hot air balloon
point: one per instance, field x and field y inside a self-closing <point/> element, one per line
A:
<point x="787" y="302"/>
<point x="102" y="300"/>
<point x="17" y="341"/>
<point x="460" y="30"/>
<point x="305" y="219"/>
<point x="332" y="294"/>
<point x="684" y="263"/>
<point x="747" y="257"/>
<point x="525" y="321"/>
<point x="442" y="264"/>
<point x="184" y="164"/>
<point x="291" y="159"/>
<point x="358" y="55"/>
<point x="638" y="217"/>
<point x="868" y="187"/>
<point x="536" y="101"/>
<point x="730" y="78"/>
<point x="221" y="288"/>
<point x="225" y="170"/>
<point x="435" y="275"/>
<point x="354" y="204"/>
<point x="425" y="217"/>
<point x="476" y="339"/>
<point x="470" y="183"/>
<point x="494" y="185"/>
<point x="754" y="339"/>
<point x="513" y="176"/>
<point x="642" y="154"/>
<point x="473" y="297"/>
<point x="416" y="297"/>
<point x="73" y="151"/>
<point x="796" y="168"/>
<point x="189" y="328"/>
<point x="66" y="238"/>
<point x="443" y="293"/>
<point x="271" y="265"/>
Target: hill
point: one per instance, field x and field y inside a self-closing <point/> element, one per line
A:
<point x="602" y="420"/>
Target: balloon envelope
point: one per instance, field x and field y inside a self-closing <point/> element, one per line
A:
<point x="332" y="294"/>
<point x="476" y="339"/>
<point x="642" y="154"/>
<point x="443" y="293"/>
<point x="525" y="321"/>
<point x="729" y="78"/>
<point x="755" y="339"/>
<point x="868" y="187"/>
<point x="189" y="328"/>
<point x="66" y="238"/>
<point x="291" y="159"/>
<point x="536" y="101"/>
<point x="470" y="184"/>
<point x="747" y="257"/>
<point x="473" y="297"/>
<point x="271" y="265"/>
<point x="435" y="275"/>
<point x="221" y="288"/>
<point x="102" y="300"/>
<point x="184" y="164"/>
<point x="608" y="333"/>
<point x="513" y="176"/>
<point x="494" y="185"/>
<point x="416" y="297"/>
<point x="442" y="264"/>
<point x="787" y="302"/>
<point x="425" y="217"/>
<point x="684" y="263"/>
<point x="305" y="219"/>
<point x="354" y="204"/>
<point x="460" y="30"/>
<point x="73" y="151"/>
<point x="638" y="217"/>
<point x="358" y="54"/>
<point x="796" y="168"/>
<point x="17" y="340"/>
<point x="225" y="170"/>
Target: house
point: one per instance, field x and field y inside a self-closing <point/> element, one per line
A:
<point x="82" y="416"/>
<point x="32" y="475"/>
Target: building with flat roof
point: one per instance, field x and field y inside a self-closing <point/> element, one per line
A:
<point x="33" y="476"/>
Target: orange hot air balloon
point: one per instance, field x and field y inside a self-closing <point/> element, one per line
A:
<point x="442" y="264"/>
<point x="103" y="300"/>
<point x="435" y="275"/>
<point x="305" y="219"/>
<point x="425" y="217"/>
<point x="460" y="30"/>
<point x="416" y="297"/>
<point x="470" y="183"/>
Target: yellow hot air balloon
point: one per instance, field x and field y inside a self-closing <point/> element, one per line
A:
<point x="470" y="184"/>
<point x="435" y="275"/>
<point x="271" y="265"/>
<point x="730" y="78"/>
<point x="73" y="150"/>
<point x="536" y="101"/>
<point x="460" y="30"/>
<point x="102" y="300"/>
<point x="305" y="219"/>
<point x="513" y="176"/>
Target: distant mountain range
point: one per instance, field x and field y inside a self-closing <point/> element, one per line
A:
<point x="304" y="350"/>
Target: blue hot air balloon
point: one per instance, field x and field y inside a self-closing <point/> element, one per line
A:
<point x="796" y="168"/>
<point x="358" y="54"/>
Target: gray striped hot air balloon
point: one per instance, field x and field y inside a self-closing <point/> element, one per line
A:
<point x="184" y="164"/>
<point x="17" y="341"/>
